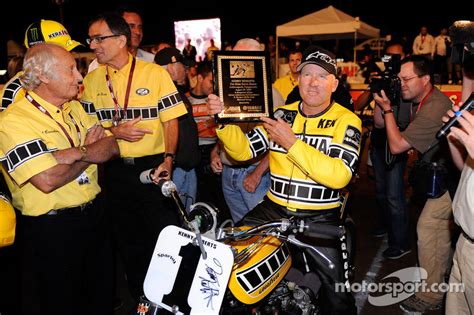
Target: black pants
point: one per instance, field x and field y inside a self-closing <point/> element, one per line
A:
<point x="67" y="264"/>
<point x="139" y="212"/>
<point x="332" y="302"/>
<point x="10" y="273"/>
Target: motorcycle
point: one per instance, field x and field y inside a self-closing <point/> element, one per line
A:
<point x="206" y="269"/>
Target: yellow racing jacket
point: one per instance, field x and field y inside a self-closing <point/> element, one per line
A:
<point x="322" y="160"/>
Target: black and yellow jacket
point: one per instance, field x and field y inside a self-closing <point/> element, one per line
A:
<point x="322" y="161"/>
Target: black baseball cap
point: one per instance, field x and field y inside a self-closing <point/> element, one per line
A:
<point x="171" y="55"/>
<point x="319" y="56"/>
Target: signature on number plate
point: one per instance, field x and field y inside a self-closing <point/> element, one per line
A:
<point x="210" y="284"/>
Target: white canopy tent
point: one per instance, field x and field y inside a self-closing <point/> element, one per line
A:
<point x="328" y="23"/>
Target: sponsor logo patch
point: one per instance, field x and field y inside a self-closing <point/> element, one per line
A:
<point x="58" y="33"/>
<point x="142" y="91"/>
<point x="286" y="115"/>
<point x="322" y="56"/>
<point x="352" y="137"/>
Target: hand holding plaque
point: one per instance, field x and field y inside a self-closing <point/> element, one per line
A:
<point x="242" y="83"/>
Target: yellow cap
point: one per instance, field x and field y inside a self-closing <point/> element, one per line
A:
<point x="47" y="31"/>
<point x="7" y="221"/>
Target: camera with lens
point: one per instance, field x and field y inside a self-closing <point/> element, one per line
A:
<point x="388" y="80"/>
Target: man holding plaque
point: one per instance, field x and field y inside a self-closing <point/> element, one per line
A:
<point x="314" y="147"/>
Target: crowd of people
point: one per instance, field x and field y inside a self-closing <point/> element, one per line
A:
<point x="436" y="48"/>
<point x="73" y="149"/>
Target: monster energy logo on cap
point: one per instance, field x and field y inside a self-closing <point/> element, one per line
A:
<point x="34" y="35"/>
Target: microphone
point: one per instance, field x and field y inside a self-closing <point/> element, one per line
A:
<point x="453" y="121"/>
<point x="145" y="176"/>
<point x="166" y="186"/>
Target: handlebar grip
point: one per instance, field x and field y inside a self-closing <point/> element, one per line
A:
<point x="322" y="230"/>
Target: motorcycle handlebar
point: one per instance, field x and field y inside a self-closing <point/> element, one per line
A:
<point x="311" y="229"/>
<point x="321" y="230"/>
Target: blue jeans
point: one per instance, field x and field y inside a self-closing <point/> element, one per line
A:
<point x="186" y="184"/>
<point x="238" y="199"/>
<point x="390" y="197"/>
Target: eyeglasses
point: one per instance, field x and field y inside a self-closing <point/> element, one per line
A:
<point x="99" y="39"/>
<point x="405" y="80"/>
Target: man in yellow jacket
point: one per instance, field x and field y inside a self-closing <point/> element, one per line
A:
<point x="314" y="147"/>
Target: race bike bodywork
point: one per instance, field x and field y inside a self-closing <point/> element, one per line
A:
<point x="237" y="270"/>
<point x="255" y="277"/>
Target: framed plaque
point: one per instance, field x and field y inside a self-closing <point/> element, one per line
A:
<point x="242" y="82"/>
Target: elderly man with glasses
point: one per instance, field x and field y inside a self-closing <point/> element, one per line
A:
<point x="138" y="102"/>
<point x="434" y="227"/>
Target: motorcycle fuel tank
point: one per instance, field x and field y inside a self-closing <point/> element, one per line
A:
<point x="255" y="277"/>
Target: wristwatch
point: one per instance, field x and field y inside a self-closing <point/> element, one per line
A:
<point x="171" y="155"/>
<point x="83" y="150"/>
<point x="388" y="111"/>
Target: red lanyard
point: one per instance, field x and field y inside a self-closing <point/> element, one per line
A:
<point x="44" y="111"/>
<point x="422" y="101"/>
<point x="127" y="93"/>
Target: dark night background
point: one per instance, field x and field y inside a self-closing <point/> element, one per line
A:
<point x="244" y="18"/>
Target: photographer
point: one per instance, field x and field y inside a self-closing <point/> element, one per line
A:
<point x="388" y="169"/>
<point x="368" y="66"/>
<point x="434" y="227"/>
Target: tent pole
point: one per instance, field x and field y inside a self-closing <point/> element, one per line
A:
<point x="355" y="44"/>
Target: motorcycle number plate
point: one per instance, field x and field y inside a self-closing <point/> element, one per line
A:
<point x="179" y="278"/>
